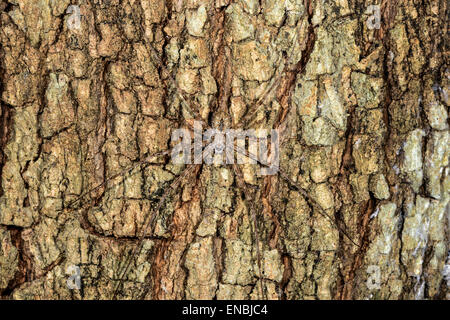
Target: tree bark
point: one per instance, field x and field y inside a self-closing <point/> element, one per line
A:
<point x="357" y="210"/>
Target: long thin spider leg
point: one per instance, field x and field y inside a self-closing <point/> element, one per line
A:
<point x="121" y="173"/>
<point x="299" y="188"/>
<point x="147" y="226"/>
<point x="146" y="161"/>
<point x="184" y="101"/>
<point x="242" y="184"/>
<point x="285" y="92"/>
<point x="188" y="108"/>
<point x="193" y="113"/>
<point x="196" y="160"/>
<point x="155" y="56"/>
<point x="291" y="71"/>
<point x="268" y="90"/>
<point x="298" y="69"/>
<point x="316" y="205"/>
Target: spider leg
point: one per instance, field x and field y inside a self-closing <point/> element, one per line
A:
<point x="301" y="190"/>
<point x="147" y="161"/>
<point x="148" y="158"/>
<point x="291" y="70"/>
<point x="159" y="61"/>
<point x="147" y="227"/>
<point x="242" y="184"/>
<point x="275" y="83"/>
<point x="317" y="206"/>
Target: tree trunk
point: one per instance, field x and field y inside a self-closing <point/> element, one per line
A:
<point x="92" y="206"/>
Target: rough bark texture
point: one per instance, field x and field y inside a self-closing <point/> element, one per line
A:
<point x="364" y="155"/>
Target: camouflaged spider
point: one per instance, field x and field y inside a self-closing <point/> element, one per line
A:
<point x="219" y="117"/>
